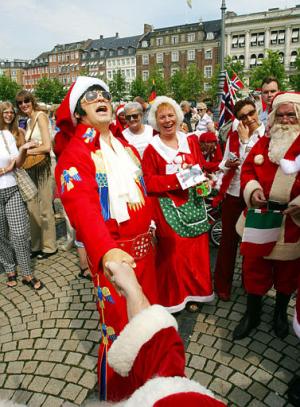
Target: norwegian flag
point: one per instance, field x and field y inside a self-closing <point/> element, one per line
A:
<point x="235" y="84"/>
<point x="227" y="103"/>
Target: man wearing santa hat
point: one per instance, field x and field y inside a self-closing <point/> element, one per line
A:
<point x="102" y="189"/>
<point x="270" y="180"/>
<point x="149" y="353"/>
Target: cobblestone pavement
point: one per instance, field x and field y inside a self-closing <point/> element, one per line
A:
<point x="49" y="338"/>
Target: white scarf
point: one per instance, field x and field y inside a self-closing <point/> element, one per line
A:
<point x="121" y="175"/>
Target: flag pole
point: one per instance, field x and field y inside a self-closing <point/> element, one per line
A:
<point x="222" y="53"/>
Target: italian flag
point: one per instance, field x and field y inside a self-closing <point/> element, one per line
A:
<point x="261" y="232"/>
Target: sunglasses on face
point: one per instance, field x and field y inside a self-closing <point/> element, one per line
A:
<point x="20" y="102"/>
<point x="289" y="115"/>
<point x="10" y="112"/>
<point x="133" y="116"/>
<point x="246" y="115"/>
<point x="92" y="95"/>
<point x="200" y="110"/>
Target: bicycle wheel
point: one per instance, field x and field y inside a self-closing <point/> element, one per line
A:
<point x="215" y="232"/>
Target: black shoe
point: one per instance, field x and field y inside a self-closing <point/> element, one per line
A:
<point x="44" y="255"/>
<point x="34" y="254"/>
<point x="280" y="321"/>
<point x="250" y="320"/>
<point x="294" y="392"/>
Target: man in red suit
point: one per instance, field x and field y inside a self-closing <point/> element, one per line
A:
<point x="270" y="180"/>
<point x="102" y="189"/>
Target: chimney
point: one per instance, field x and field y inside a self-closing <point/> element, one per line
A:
<point x="101" y="37"/>
<point x="117" y="35"/>
<point x="147" y="28"/>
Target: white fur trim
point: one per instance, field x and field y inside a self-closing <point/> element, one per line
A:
<point x="250" y="187"/>
<point x="193" y="298"/>
<point x="289" y="166"/>
<point x="81" y="85"/>
<point x="287" y="97"/>
<point x="167" y="153"/>
<point x="154" y="106"/>
<point x="137" y="332"/>
<point x="296" y="325"/>
<point x="161" y="387"/>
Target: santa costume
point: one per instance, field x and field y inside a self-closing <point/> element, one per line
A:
<point x="212" y="159"/>
<point x="103" y="193"/>
<point x="271" y="239"/>
<point x="182" y="261"/>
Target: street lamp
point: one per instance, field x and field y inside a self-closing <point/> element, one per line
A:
<point x="222" y="51"/>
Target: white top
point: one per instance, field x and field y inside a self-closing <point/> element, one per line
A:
<point x="235" y="184"/>
<point x="139" y="141"/>
<point x="203" y="122"/>
<point x="7" y="180"/>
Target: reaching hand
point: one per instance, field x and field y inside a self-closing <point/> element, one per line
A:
<point x="232" y="164"/>
<point x="243" y="132"/>
<point x="258" y="198"/>
<point x="292" y="210"/>
<point x="117" y="256"/>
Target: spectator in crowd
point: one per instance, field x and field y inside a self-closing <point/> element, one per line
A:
<point x="14" y="224"/>
<point x="211" y="151"/>
<point x="270" y="180"/>
<point x="120" y="122"/>
<point x="239" y="143"/>
<point x="149" y="354"/>
<point x="188" y="116"/>
<point x="8" y="121"/>
<point x="136" y="134"/>
<point x="205" y="122"/>
<point x="102" y="190"/>
<point x="146" y="108"/>
<point x="180" y="215"/>
<point x="269" y="88"/>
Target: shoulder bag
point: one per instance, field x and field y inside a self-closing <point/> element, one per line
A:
<point x="33" y="160"/>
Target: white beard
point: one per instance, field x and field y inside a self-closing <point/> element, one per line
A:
<point x="282" y="137"/>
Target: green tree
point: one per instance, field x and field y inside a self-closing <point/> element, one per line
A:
<point x="161" y="85"/>
<point x="213" y="91"/>
<point x="49" y="90"/>
<point x="8" y="89"/>
<point x="118" y="86"/>
<point x="177" y="86"/>
<point x="295" y="78"/>
<point x="138" y="88"/>
<point x="271" y="66"/>
<point x="193" y="83"/>
<point x="234" y="66"/>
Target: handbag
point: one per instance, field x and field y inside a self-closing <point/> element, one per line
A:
<point x="27" y="187"/>
<point x="33" y="160"/>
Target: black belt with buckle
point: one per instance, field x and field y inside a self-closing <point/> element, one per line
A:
<point x="276" y="206"/>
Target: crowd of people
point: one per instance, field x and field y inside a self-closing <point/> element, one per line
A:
<point x="133" y="182"/>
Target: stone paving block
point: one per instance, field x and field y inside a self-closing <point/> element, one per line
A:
<point x="57" y="315"/>
<point x="274" y="400"/>
<point x="84" y="347"/>
<point x="238" y="350"/>
<point x="25" y="344"/>
<point x="55" y="344"/>
<point x="292" y="352"/>
<point x="220" y="386"/>
<point x="290" y="364"/>
<point x="53" y="402"/>
<point x="202" y="378"/>
<point x="57" y="356"/>
<point x="240" y="380"/>
<point x="2" y="367"/>
<point x="71" y="392"/>
<point x="64" y="334"/>
<point x="262" y="337"/>
<point x="74" y="375"/>
<point x="43" y="315"/>
<point x="15" y="321"/>
<point x="81" y="397"/>
<point x="73" y="358"/>
<point x="284" y="375"/>
<point x="48" y="323"/>
<point x="223" y="372"/>
<point x="9" y="346"/>
<point x="2" y="379"/>
<point x="37" y="400"/>
<point x="256" y="403"/>
<point x="89" y="362"/>
<point x="63" y="323"/>
<point x="206" y="340"/>
<point x="41" y="343"/>
<point x="21" y="397"/>
<point x="77" y="323"/>
<point x="14" y="381"/>
<point x="63" y="307"/>
<point x="239" y="364"/>
<point x="253" y="358"/>
<point x="45" y="368"/>
<point x="91" y="324"/>
<point x="6" y="338"/>
<point x="258" y="391"/>
<point x="6" y="394"/>
<point x="6" y="329"/>
<point x="21" y="335"/>
<point x="80" y="334"/>
<point x="60" y="371"/>
<point x="223" y="357"/>
<point x="38" y="384"/>
<point x="34" y="325"/>
<point x="11" y="356"/>
<point x="278" y="386"/>
<point x="197" y="362"/>
<point x="42" y="354"/>
<point x="18" y="328"/>
<point x="272" y="354"/>
<point x="70" y="345"/>
<point x="54" y="386"/>
<point x="15" y="367"/>
<point x="223" y="345"/>
<point x="194" y="348"/>
<point x="93" y="336"/>
<point x="261" y="376"/>
<point x="277" y="344"/>
<point x="257" y="347"/>
<point x="30" y="367"/>
<point x="240" y="395"/>
<point x="88" y="380"/>
<point x="208" y="352"/>
<point x="50" y="333"/>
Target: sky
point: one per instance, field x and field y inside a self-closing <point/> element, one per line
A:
<point x="30" y="27"/>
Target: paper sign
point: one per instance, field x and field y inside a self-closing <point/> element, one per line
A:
<point x="190" y="176"/>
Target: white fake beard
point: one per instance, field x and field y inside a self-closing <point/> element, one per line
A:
<point x="282" y="136"/>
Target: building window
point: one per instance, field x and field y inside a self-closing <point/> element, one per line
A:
<point x="159" y="58"/>
<point x="206" y="86"/>
<point x="253" y="60"/>
<point x="175" y="56"/>
<point x="281" y="57"/>
<point x="241" y="41"/>
<point x="174" y="39"/>
<point x="191" y="55"/>
<point x="59" y="58"/>
<point x="281" y="37"/>
<point x="253" y="40"/>
<point x="274" y="35"/>
<point x="208" y="54"/>
<point x="293" y="58"/>
<point x="144" y="44"/>
<point x="210" y="36"/>
<point x="145" y="59"/>
<point x="50" y="58"/>
<point x="174" y="70"/>
<point x="261" y="39"/>
<point x="260" y="59"/>
<point x="238" y="41"/>
<point x="145" y="75"/>
<point x="109" y="75"/>
<point x="191" y="37"/>
<point x="208" y="71"/>
<point x="242" y="59"/>
<point x="159" y="41"/>
<point x="277" y="37"/>
<point x="295" y="35"/>
<point x="234" y="42"/>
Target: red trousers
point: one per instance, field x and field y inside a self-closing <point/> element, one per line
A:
<point x="259" y="275"/>
<point x="232" y="207"/>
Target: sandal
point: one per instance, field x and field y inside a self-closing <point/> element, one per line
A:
<point x="32" y="283"/>
<point x="193" y="307"/>
<point x="10" y="279"/>
<point x="83" y="275"/>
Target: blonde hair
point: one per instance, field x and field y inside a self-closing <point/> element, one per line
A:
<point x="163" y="101"/>
<point x="13" y="126"/>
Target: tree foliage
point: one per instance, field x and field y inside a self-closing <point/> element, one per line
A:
<point x="118" y="86"/>
<point x="187" y="85"/>
<point x="156" y="78"/>
<point x="8" y="89"/>
<point x="234" y="66"/>
<point x="138" y="88"/>
<point x="295" y="78"/>
<point x="213" y="91"/>
<point x="49" y="90"/>
<point x="177" y="87"/>
<point x="271" y="66"/>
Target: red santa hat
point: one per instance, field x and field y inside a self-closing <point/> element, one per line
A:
<point x="120" y="109"/>
<point x="208" y="137"/>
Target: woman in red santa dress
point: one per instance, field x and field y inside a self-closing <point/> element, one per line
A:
<point x="102" y="189"/>
<point x="182" y="262"/>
